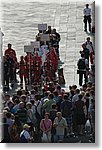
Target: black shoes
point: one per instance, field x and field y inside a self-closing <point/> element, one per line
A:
<point x="85" y="30"/>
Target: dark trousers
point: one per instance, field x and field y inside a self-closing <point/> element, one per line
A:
<point x="87" y="19"/>
<point x="81" y="74"/>
<point x="56" y="49"/>
<point x="6" y="79"/>
<point x="15" y="79"/>
<point x="11" y="75"/>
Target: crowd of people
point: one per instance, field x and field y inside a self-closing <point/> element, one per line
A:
<point x="48" y="116"/>
<point x="42" y="63"/>
<point x="46" y="112"/>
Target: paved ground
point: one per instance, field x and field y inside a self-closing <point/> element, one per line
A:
<point x="66" y="17"/>
<point x="71" y="30"/>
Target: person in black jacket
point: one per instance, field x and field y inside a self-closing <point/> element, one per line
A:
<point x="8" y="70"/>
<point x="5" y="132"/>
<point x="86" y="51"/>
<point x="66" y="109"/>
<point x="56" y="40"/>
<point x="82" y="68"/>
<point x="49" y="31"/>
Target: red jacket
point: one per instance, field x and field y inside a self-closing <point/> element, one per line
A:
<point x="9" y="51"/>
<point x="22" y="68"/>
<point x="53" y="57"/>
<point x="29" y="60"/>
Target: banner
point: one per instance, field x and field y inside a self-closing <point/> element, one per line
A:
<point x="35" y="44"/>
<point x="28" y="48"/>
<point x="45" y="37"/>
<point x="42" y="27"/>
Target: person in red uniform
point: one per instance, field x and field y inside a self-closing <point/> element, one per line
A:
<point x="10" y="50"/>
<point x="12" y="53"/>
<point x="38" y="58"/>
<point x="52" y="56"/>
<point x="36" y="70"/>
<point x="29" y="60"/>
<point x="15" y="65"/>
<point x="48" y="68"/>
<point x="22" y="70"/>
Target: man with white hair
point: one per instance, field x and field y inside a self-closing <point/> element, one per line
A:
<point x="60" y="124"/>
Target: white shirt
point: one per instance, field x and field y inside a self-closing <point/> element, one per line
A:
<point x="10" y="121"/>
<point x="39" y="106"/>
<point x="32" y="96"/>
<point x="59" y="129"/>
<point x="87" y="11"/>
<point x="26" y="134"/>
<point x="89" y="46"/>
<point x="90" y="109"/>
<point x="75" y="98"/>
<point x="34" y="109"/>
<point x="44" y="50"/>
<point x="30" y="115"/>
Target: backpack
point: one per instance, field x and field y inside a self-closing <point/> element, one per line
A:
<point x="81" y="64"/>
<point x="23" y="139"/>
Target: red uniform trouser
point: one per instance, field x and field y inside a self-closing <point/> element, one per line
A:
<point x="21" y="75"/>
<point x="91" y="57"/>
